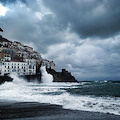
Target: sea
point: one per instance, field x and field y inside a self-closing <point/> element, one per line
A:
<point x="95" y="96"/>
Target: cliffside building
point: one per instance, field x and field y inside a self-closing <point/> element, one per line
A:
<point x="20" y="59"/>
<point x="48" y="64"/>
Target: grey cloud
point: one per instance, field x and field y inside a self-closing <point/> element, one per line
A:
<point x="55" y="32"/>
<point x="24" y="24"/>
<point x="94" y="18"/>
<point x="89" y="61"/>
<point x="11" y="1"/>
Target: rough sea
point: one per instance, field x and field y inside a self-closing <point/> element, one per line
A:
<point x="96" y="96"/>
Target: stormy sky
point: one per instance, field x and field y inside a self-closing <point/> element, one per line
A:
<point x="82" y="36"/>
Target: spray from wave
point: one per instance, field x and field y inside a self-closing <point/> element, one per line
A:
<point x="17" y="80"/>
<point x="46" y="78"/>
<point x="58" y="93"/>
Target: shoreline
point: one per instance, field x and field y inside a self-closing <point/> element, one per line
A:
<point x="41" y="111"/>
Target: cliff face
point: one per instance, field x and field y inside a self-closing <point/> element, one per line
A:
<point x="63" y="76"/>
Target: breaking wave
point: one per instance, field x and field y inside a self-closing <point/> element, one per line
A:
<point x="46" y="78"/>
<point x="65" y="94"/>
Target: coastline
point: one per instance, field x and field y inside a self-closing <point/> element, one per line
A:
<point x="34" y="110"/>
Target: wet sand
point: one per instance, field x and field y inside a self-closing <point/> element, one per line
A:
<point x="39" y="111"/>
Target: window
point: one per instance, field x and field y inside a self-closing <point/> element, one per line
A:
<point x="30" y="66"/>
<point x="33" y="67"/>
<point x="13" y="70"/>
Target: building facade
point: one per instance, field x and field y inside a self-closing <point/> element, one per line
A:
<point x="18" y="67"/>
<point x="48" y="64"/>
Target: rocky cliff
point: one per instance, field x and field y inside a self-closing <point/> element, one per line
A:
<point x="63" y="76"/>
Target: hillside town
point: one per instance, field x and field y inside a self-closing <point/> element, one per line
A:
<point x="16" y="57"/>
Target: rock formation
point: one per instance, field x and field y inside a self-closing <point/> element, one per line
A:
<point x="63" y="76"/>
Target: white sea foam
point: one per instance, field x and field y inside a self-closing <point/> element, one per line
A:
<point x="56" y="93"/>
<point x="46" y="78"/>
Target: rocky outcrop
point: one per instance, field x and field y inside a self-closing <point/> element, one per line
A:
<point x="5" y="79"/>
<point x="63" y="76"/>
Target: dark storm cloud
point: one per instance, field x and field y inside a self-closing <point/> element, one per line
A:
<point x="89" y="18"/>
<point x="33" y="23"/>
<point x="55" y="29"/>
<point x="90" y="61"/>
<point x="11" y="1"/>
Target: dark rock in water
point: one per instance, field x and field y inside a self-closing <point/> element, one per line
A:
<point x="5" y="78"/>
<point x="63" y="76"/>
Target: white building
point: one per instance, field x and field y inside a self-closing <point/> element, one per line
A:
<point x="7" y="57"/>
<point x="27" y="67"/>
<point x="48" y="64"/>
<point x="21" y="47"/>
<point x="6" y="43"/>
<point x="16" y="43"/>
<point x="52" y="65"/>
<point x="18" y="67"/>
<point x="29" y="49"/>
<point x="31" y="66"/>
